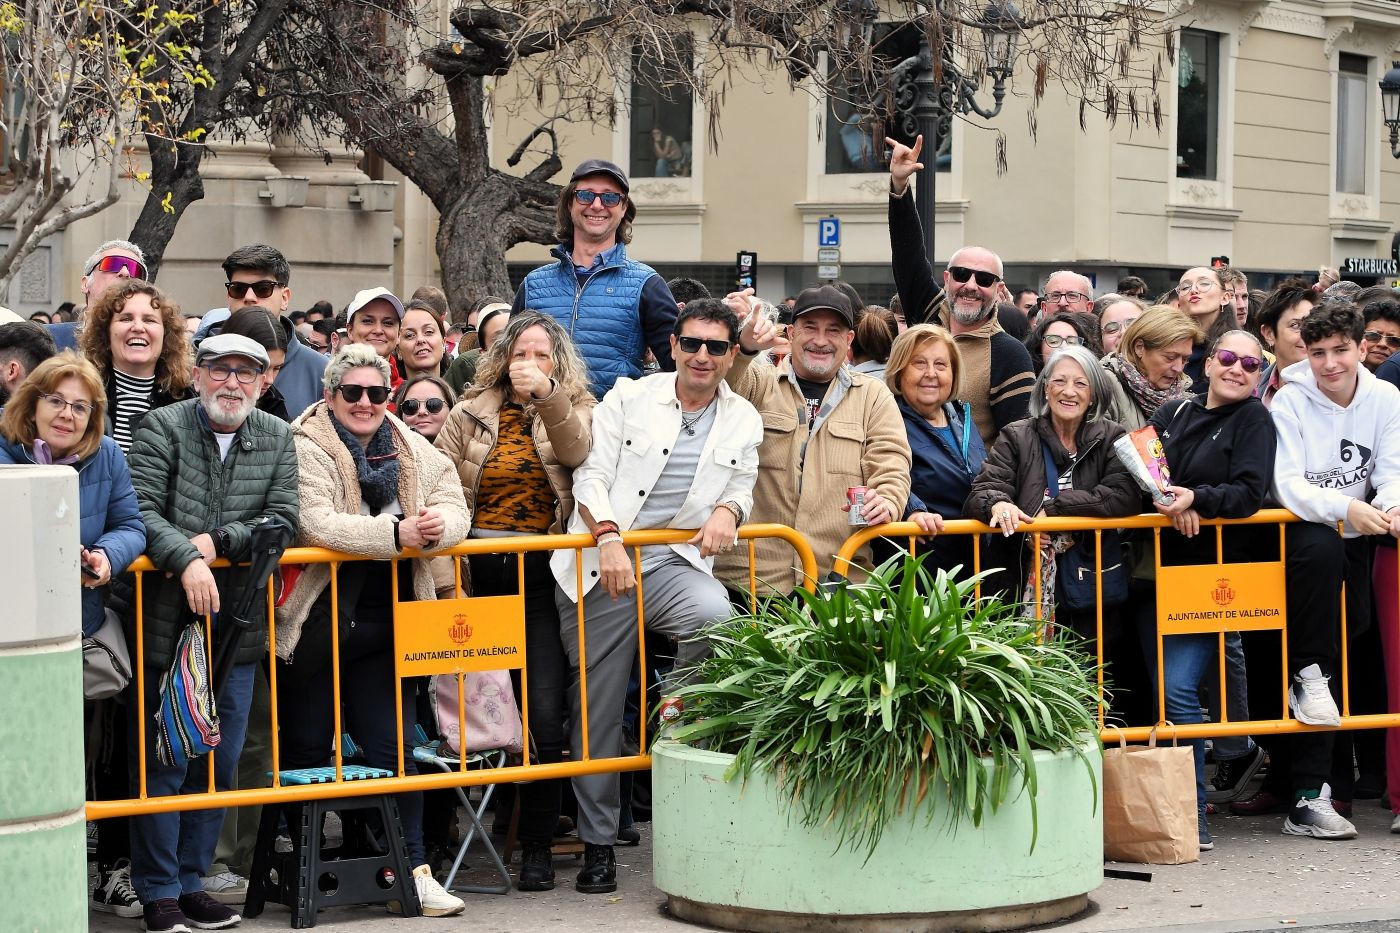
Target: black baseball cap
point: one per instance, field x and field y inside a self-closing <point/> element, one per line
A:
<point x="824" y="298"/>
<point x="600" y="167"/>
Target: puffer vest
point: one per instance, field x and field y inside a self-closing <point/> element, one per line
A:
<point x="601" y="314"/>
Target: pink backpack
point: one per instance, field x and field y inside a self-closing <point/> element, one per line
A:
<point x="493" y="719"/>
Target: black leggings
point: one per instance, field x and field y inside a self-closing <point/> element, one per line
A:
<point x="306" y="713"/>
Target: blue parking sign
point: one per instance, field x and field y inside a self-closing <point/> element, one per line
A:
<point x="829" y="232"/>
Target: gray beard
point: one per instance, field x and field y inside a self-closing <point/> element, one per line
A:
<point x="969" y="318"/>
<point x="244" y="411"/>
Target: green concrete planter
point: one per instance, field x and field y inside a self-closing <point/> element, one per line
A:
<point x="733" y="854"/>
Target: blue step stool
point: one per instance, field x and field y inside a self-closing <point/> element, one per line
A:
<point x="309" y="877"/>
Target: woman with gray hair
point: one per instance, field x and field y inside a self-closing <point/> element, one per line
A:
<point x="1067" y="431"/>
<point x="372" y="486"/>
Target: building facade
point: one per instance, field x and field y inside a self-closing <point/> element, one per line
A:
<point x="1271" y="152"/>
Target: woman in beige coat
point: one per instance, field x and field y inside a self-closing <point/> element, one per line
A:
<point x="371" y="486"/>
<point x="515" y="440"/>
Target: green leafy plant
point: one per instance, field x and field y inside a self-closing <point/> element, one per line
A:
<point x="863" y="699"/>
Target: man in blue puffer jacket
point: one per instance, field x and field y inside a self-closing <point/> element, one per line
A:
<point x="615" y="308"/>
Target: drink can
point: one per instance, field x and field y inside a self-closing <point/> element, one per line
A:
<point x="855" y="495"/>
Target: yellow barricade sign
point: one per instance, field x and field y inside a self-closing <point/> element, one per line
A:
<point x="1220" y="598"/>
<point x="448" y="636"/>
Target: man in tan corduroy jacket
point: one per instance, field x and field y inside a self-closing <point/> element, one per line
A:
<point x="825" y="428"/>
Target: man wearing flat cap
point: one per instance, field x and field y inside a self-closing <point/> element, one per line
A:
<point x="614" y="308"/>
<point x="205" y="471"/>
<point x="826" y="428"/>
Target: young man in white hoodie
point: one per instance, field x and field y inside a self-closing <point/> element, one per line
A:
<point x="1338" y="447"/>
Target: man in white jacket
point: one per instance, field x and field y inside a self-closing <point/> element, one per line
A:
<point x="671" y="450"/>
<point x="1338" y="447"/>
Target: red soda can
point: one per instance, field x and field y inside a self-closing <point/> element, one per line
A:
<point x="855" y="495"/>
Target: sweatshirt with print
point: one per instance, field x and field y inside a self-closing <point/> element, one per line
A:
<point x="1329" y="455"/>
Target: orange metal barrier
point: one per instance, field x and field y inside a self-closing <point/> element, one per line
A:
<point x="402" y="782"/>
<point x="1266" y="575"/>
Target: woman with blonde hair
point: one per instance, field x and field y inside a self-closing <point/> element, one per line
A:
<point x="135" y="336"/>
<point x="1149" y="367"/>
<point x="370" y="485"/>
<point x="924" y="373"/>
<point x="515" y="440"/>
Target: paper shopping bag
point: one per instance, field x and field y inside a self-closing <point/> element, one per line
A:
<point x="1149" y="804"/>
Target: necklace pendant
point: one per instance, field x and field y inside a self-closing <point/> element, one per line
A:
<point x="690" y="431"/>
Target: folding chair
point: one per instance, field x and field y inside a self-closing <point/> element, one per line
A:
<point x="434" y="753"/>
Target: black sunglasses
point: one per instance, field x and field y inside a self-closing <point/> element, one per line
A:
<point x="961" y="274"/>
<point x="410" y="406"/>
<point x="378" y="395"/>
<point x="263" y="288"/>
<point x="693" y="345"/>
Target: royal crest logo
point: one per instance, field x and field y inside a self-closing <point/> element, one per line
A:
<point x="459" y="631"/>
<point x="1223" y="594"/>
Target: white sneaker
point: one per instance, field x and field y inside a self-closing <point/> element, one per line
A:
<point x="227" y="887"/>
<point x="114" y="894"/>
<point x="1315" y="817"/>
<point x="436" y="901"/>
<point x="1311" y="701"/>
<point x="1395" y="824"/>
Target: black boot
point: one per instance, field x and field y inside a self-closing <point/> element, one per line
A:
<point x="599" y="872"/>
<point x="536" y="869"/>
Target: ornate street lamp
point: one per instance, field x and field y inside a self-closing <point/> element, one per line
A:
<point x="925" y="106"/>
<point x="1390" y="105"/>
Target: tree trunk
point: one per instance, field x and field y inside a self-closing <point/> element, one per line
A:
<point x="175" y="185"/>
<point x="478" y="227"/>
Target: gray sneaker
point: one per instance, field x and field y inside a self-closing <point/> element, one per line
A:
<point x="227" y="887"/>
<point x="1310" y="699"/>
<point x="1315" y="817"/>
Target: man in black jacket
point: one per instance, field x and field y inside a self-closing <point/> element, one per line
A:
<point x="997" y="374"/>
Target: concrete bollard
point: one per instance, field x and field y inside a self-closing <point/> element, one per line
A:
<point x="43" y="851"/>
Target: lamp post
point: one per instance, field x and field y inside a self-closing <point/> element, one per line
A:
<point x="925" y="105"/>
<point x="1390" y="105"/>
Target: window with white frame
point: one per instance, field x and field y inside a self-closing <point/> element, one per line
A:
<point x="1197" y="104"/>
<point x="662" y="138"/>
<point x="857" y="117"/>
<point x="1353" y="131"/>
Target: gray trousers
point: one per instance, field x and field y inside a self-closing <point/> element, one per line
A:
<point x="677" y="600"/>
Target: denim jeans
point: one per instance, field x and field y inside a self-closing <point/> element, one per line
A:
<point x="171" y="852"/>
<point x="1185" y="660"/>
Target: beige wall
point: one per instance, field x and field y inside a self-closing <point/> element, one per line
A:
<point x="1103" y="199"/>
<point x="1107" y="198"/>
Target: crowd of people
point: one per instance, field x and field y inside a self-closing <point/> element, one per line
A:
<point x="602" y="400"/>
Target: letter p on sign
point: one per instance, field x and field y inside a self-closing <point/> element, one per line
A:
<point x="829" y="232"/>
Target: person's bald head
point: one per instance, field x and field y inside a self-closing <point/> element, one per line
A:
<point x="1068" y="291"/>
<point x="970" y="283"/>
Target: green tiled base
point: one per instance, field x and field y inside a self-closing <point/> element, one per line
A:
<point x="43" y="880"/>
<point x="41" y="734"/>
